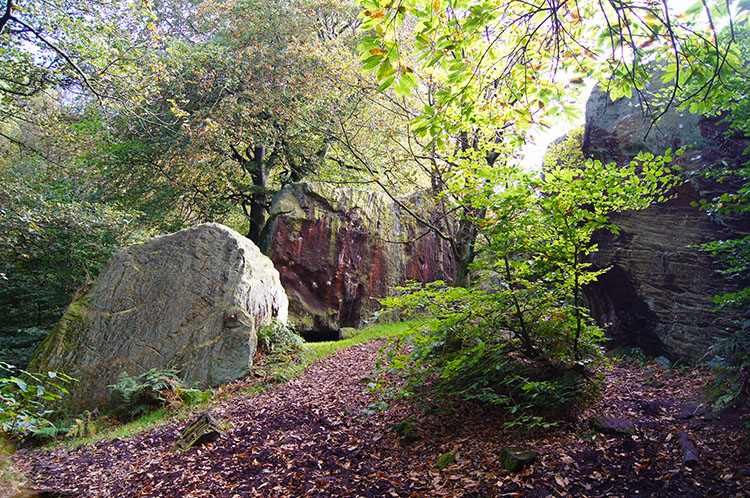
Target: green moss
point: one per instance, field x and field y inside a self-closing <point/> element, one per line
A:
<point x="446" y="459"/>
<point x="63" y="339"/>
<point x="515" y="458"/>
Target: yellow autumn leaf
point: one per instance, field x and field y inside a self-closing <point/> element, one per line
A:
<point x="378" y="51"/>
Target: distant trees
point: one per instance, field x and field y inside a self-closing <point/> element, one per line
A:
<point x="56" y="59"/>
<point x="54" y="233"/>
<point x="243" y="99"/>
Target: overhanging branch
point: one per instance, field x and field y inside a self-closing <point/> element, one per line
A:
<point x="55" y="49"/>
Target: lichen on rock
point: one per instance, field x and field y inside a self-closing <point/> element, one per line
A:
<point x="189" y="300"/>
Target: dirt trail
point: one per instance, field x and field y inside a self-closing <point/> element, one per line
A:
<point x="313" y="437"/>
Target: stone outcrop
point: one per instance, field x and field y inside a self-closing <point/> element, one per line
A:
<point x="190" y="300"/>
<point x="658" y="294"/>
<point x="339" y="249"/>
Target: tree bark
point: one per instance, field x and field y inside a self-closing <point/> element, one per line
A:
<point x="258" y="197"/>
<point x="254" y="163"/>
<point x="690" y="455"/>
<point x="204" y="429"/>
<point x="6" y="15"/>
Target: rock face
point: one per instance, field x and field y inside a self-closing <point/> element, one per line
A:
<point x="658" y="294"/>
<point x="338" y="250"/>
<point x="189" y="300"/>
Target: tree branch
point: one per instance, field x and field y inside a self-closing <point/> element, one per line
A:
<point x="59" y="52"/>
<point x="6" y="15"/>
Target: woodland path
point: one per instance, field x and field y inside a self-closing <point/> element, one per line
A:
<point x="312" y="437"/>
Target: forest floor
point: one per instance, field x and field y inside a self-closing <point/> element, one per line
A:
<point x="317" y="436"/>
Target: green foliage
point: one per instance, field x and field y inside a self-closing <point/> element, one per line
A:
<point x="244" y="97"/>
<point x="52" y="432"/>
<point x="510" y="65"/>
<point x="86" y="47"/>
<point x="734" y="256"/>
<point x="25" y="398"/>
<point x="277" y="337"/>
<point x="537" y="232"/>
<point x="17" y="344"/>
<point x="153" y="389"/>
<point x="731" y="206"/>
<point x="521" y="336"/>
<point x="53" y="238"/>
<point x="485" y="372"/>
<point x="733" y="252"/>
<point x="729" y="359"/>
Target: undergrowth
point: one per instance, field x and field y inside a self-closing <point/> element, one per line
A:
<point x="534" y="394"/>
<point x="273" y="365"/>
<point x="729" y="361"/>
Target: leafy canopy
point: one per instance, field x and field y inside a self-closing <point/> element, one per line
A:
<point x="509" y="65"/>
<point x="244" y="98"/>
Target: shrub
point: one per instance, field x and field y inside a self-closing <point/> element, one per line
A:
<point x="25" y="398"/>
<point x="519" y="335"/>
<point x="730" y="366"/>
<point x="277" y="337"/>
<point x="484" y="370"/>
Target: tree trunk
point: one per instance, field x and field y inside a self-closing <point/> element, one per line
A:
<point x="463" y="254"/>
<point x="255" y="166"/>
<point x="257" y="217"/>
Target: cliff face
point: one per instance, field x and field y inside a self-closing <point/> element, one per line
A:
<point x="339" y="250"/>
<point x="658" y="294"/>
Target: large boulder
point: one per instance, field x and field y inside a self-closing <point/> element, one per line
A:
<point x="340" y="249"/>
<point x="190" y="300"/>
<point x="658" y="294"/>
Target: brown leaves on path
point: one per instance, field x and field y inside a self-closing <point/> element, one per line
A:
<point x="314" y="436"/>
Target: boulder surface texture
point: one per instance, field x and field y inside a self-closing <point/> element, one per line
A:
<point x="658" y="294"/>
<point x="190" y="300"/>
<point x="340" y="249"/>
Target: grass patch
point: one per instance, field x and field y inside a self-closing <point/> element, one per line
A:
<point x="142" y="424"/>
<point x="276" y="369"/>
<point x="321" y="350"/>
